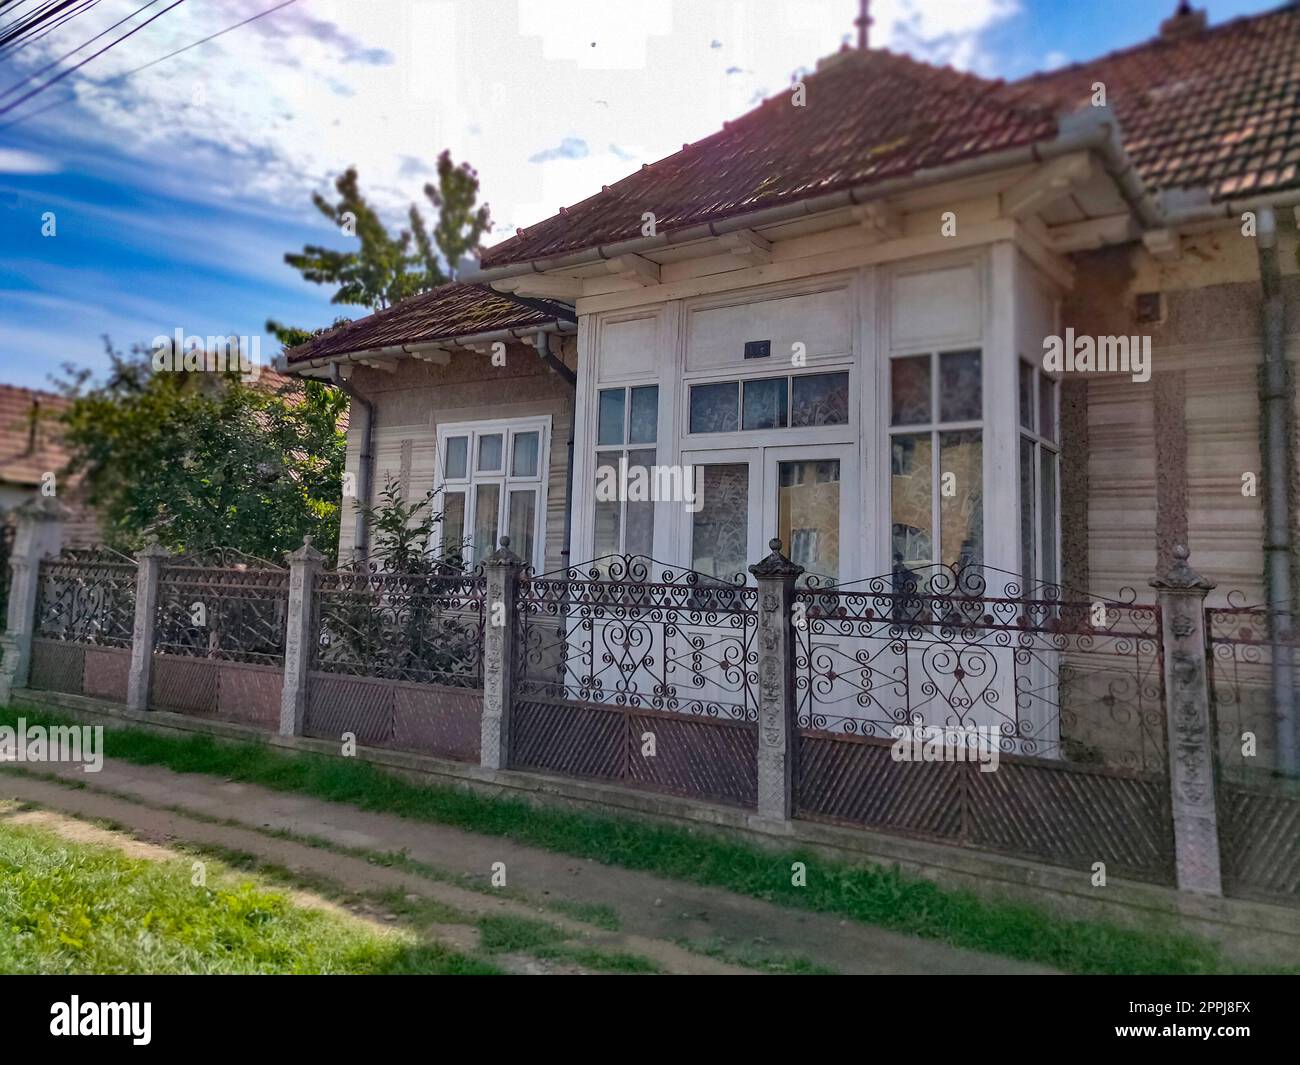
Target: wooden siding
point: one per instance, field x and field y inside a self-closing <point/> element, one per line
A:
<point x="411" y="403"/>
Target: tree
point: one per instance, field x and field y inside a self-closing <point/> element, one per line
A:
<point x="386" y="268"/>
<point x="202" y="459"/>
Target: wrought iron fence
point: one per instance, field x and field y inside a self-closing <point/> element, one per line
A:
<point x="629" y="631"/>
<point x="223" y="605"/>
<point x="401" y="626"/>
<point x="961" y="704"/>
<point x="87" y="597"/>
<point x="631" y="670"/>
<point x="1258" y="805"/>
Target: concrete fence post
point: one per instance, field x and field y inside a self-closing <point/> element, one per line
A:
<point x="38" y="534"/>
<point x="777" y="739"/>
<point x="1182" y="593"/>
<point x="502" y="569"/>
<point x="299" y="636"/>
<point x="148" y="566"/>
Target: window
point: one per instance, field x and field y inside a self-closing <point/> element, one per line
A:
<point x="937" y="458"/>
<point x="806" y="400"/>
<point x="1040" y="461"/>
<point x="493" y="481"/>
<point x="627" y="428"/>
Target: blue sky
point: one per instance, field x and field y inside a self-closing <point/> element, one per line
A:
<point x="176" y="192"/>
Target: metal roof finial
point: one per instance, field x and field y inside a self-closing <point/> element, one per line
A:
<point x="863" y="23"/>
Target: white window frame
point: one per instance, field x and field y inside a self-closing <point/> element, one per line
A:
<point x="607" y="454"/>
<point x="934" y="429"/>
<point x="508" y="428"/>
<point x="1035" y="575"/>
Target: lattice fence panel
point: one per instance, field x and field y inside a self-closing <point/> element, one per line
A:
<point x="336" y="705"/>
<point x="106" y="670"/>
<point x="57" y="667"/>
<point x="1259" y="835"/>
<point x="446" y="722"/>
<point x="858" y="781"/>
<point x="560" y="738"/>
<point x="695" y="756"/>
<point x="1072" y="816"/>
<point x="184" y="685"/>
<point x="249" y="694"/>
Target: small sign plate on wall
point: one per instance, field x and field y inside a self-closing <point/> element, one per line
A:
<point x="758" y="349"/>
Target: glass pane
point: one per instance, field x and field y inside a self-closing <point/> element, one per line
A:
<point x="720" y="528"/>
<point x="1047" y="408"/>
<point x="765" y="404"/>
<point x="1028" y="510"/>
<point x="1047" y="513"/>
<point x="645" y="415"/>
<point x="808" y="514"/>
<point x="608" y="508"/>
<point x="910" y="390"/>
<point x="640" y="515"/>
<point x="961" y="498"/>
<point x="489" y="452"/>
<point x="524" y="461"/>
<point x="819" y="399"/>
<point x="911" y="499"/>
<point x="609" y="426"/>
<point x="961" y="392"/>
<point x="453" y="527"/>
<point x="522" y="522"/>
<point x="713" y="408"/>
<point x="487" y="502"/>
<point x="457" y="458"/>
<point x="1026" y="395"/>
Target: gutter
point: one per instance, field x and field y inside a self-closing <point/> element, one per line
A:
<point x="543" y="342"/>
<point x="1276" y="401"/>
<point x="365" y="461"/>
<point x="1092" y="129"/>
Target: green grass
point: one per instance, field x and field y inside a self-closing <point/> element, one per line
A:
<point x="870" y="894"/>
<point x="754" y="955"/>
<point x="592" y="913"/>
<point x="78" y="908"/>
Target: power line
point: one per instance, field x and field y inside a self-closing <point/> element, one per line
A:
<point x="26" y="25"/>
<point x="73" y="69"/>
<point x="144" y="66"/>
<point x="67" y="55"/>
<point x="86" y="6"/>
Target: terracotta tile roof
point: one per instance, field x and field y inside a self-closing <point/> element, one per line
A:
<point x="453" y="310"/>
<point x="29" y="447"/>
<point x="1218" y="108"/>
<point x="868" y="116"/>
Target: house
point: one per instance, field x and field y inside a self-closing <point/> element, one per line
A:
<point x="910" y="322"/>
<point x="32" y="454"/>
<point x="836" y="309"/>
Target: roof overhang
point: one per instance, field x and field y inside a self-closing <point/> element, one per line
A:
<point x="437" y="351"/>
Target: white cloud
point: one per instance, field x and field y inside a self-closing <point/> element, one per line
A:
<point x="286" y="103"/>
<point x="13" y="161"/>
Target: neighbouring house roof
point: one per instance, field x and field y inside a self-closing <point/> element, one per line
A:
<point x="1219" y="108"/>
<point x="444" y="313"/>
<point x="30" y="441"/>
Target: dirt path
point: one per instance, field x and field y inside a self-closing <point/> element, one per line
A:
<point x="655" y="914"/>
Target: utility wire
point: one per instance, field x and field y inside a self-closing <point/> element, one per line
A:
<point x="144" y="66"/>
<point x="73" y="69"/>
<point x="68" y="55"/>
<point x="86" y="6"/>
<point x="25" y="25"/>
